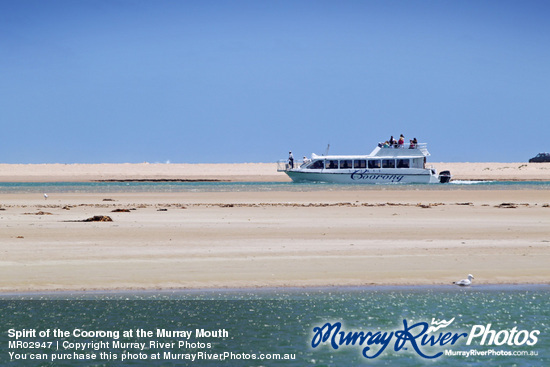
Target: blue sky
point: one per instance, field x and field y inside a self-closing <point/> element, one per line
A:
<point x="94" y="81"/>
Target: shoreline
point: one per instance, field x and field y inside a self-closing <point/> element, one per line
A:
<point x="250" y="180"/>
<point x="289" y="289"/>
<point x="239" y="172"/>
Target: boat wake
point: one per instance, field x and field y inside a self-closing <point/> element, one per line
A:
<point x="466" y="182"/>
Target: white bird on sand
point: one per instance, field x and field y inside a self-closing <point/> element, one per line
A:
<point x="465" y="282"/>
<point x="45" y="196"/>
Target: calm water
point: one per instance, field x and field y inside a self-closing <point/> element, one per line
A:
<point x="114" y="187"/>
<point x="282" y="321"/>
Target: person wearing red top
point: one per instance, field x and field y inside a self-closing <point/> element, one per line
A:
<point x="401" y="141"/>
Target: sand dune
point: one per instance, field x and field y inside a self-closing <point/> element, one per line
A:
<point x="238" y="171"/>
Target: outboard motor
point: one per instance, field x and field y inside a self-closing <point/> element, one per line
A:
<point x="444" y="176"/>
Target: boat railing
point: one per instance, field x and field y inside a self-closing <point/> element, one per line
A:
<point x="406" y="146"/>
<point x="283" y="165"/>
<point x="423" y="147"/>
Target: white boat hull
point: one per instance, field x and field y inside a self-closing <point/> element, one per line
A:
<point x="423" y="176"/>
<point x="384" y="165"/>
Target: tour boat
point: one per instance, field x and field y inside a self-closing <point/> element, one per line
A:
<point x="385" y="164"/>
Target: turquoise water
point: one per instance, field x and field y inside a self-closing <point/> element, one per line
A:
<point x="264" y="322"/>
<point x="114" y="187"/>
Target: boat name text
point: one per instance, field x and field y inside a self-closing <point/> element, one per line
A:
<point x="368" y="175"/>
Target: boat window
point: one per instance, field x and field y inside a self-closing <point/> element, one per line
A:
<point x="374" y="164"/>
<point x="418" y="163"/>
<point x="345" y="164"/>
<point x="388" y="163"/>
<point x="402" y="163"/>
<point x="318" y="164"/>
<point x="331" y="164"/>
<point x="360" y="163"/>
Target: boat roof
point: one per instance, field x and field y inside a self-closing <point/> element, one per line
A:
<point x="420" y="151"/>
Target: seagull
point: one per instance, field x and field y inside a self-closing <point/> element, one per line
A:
<point x="45" y="196"/>
<point x="465" y="282"/>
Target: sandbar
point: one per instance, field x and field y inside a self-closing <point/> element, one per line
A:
<point x="281" y="238"/>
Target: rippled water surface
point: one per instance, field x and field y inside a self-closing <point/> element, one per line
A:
<point x="282" y="321"/>
<point x="114" y="187"/>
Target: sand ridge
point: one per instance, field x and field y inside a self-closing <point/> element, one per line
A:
<point x="258" y="172"/>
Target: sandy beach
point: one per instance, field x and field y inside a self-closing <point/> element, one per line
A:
<point x="257" y="172"/>
<point x="269" y="239"/>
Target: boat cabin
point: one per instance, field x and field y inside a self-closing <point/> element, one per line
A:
<point x="380" y="157"/>
<point x="363" y="163"/>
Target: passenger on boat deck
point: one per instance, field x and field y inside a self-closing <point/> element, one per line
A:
<point x="401" y="141"/>
<point x="392" y="142"/>
<point x="306" y="160"/>
<point x="290" y="160"/>
<point x="413" y="143"/>
<point x="386" y="144"/>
